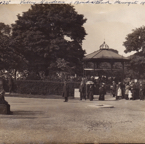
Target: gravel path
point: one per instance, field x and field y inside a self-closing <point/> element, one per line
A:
<point x="37" y="120"/>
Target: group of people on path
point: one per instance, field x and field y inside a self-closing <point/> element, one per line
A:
<point x="121" y="90"/>
<point x="91" y="87"/>
<point x="131" y="90"/>
<point x="87" y="89"/>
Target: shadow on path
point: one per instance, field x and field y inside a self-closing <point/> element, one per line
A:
<point x="27" y="113"/>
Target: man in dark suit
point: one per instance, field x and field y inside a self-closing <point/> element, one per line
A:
<point x="135" y="90"/>
<point x="65" y="92"/>
<point x="113" y="88"/>
<point x="102" y="92"/>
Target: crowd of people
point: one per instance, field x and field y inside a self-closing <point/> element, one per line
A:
<point x="129" y="90"/>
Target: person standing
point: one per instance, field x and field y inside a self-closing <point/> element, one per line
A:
<point x="82" y="90"/>
<point x="119" y="91"/>
<point x="113" y="88"/>
<point x="127" y="88"/>
<point x="97" y="87"/>
<point x="65" y="92"/>
<point x="91" y="90"/>
<point x="102" y="92"/>
<point x="123" y="89"/>
<point x="135" y="90"/>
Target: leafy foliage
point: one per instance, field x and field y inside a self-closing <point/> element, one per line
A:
<point x="39" y="35"/>
<point x="137" y="65"/>
<point x="9" y="58"/>
<point x="136" y="40"/>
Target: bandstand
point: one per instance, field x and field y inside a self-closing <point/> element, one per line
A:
<point x="104" y="54"/>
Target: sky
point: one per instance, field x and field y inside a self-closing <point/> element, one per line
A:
<point x="111" y="23"/>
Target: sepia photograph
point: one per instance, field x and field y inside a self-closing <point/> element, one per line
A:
<point x="72" y="73"/>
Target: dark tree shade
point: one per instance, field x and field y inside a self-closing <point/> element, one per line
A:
<point x="6" y="53"/>
<point x="39" y="35"/>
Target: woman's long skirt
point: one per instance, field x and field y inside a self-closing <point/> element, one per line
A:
<point x="91" y="96"/>
<point x="101" y="97"/>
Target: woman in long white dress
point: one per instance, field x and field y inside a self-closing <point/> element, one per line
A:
<point x="119" y="91"/>
<point x="127" y="88"/>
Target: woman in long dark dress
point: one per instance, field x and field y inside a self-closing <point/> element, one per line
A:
<point x="96" y="87"/>
<point x="102" y="92"/>
<point x="82" y="90"/>
<point x="91" y="90"/>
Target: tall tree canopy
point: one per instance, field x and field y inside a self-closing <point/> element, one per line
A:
<point x="8" y="58"/>
<point x="41" y="35"/>
<point x="136" y="42"/>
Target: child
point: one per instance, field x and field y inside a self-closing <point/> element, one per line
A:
<point x="129" y="94"/>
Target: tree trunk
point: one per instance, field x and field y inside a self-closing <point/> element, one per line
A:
<point x="15" y="72"/>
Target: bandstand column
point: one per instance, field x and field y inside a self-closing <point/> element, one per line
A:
<point x="97" y="67"/>
<point x="94" y="68"/>
<point x="83" y="70"/>
<point x="111" y="68"/>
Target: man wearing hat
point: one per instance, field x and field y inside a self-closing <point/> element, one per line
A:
<point x="135" y="90"/>
<point x="65" y="92"/>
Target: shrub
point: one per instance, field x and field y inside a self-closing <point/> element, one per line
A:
<point x="43" y="87"/>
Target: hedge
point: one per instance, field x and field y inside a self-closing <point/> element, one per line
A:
<point x="38" y="87"/>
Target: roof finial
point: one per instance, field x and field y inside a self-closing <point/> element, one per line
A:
<point x="104" y="45"/>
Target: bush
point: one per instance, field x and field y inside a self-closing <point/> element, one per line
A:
<point x="43" y="87"/>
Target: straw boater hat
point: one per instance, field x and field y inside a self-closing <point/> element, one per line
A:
<point x="96" y="77"/>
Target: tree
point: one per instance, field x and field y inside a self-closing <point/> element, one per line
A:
<point x="40" y="36"/>
<point x="136" y="66"/>
<point x="4" y="41"/>
<point x="136" y="42"/>
<point x="9" y="58"/>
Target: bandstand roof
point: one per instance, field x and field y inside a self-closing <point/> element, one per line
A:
<point x="105" y="54"/>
